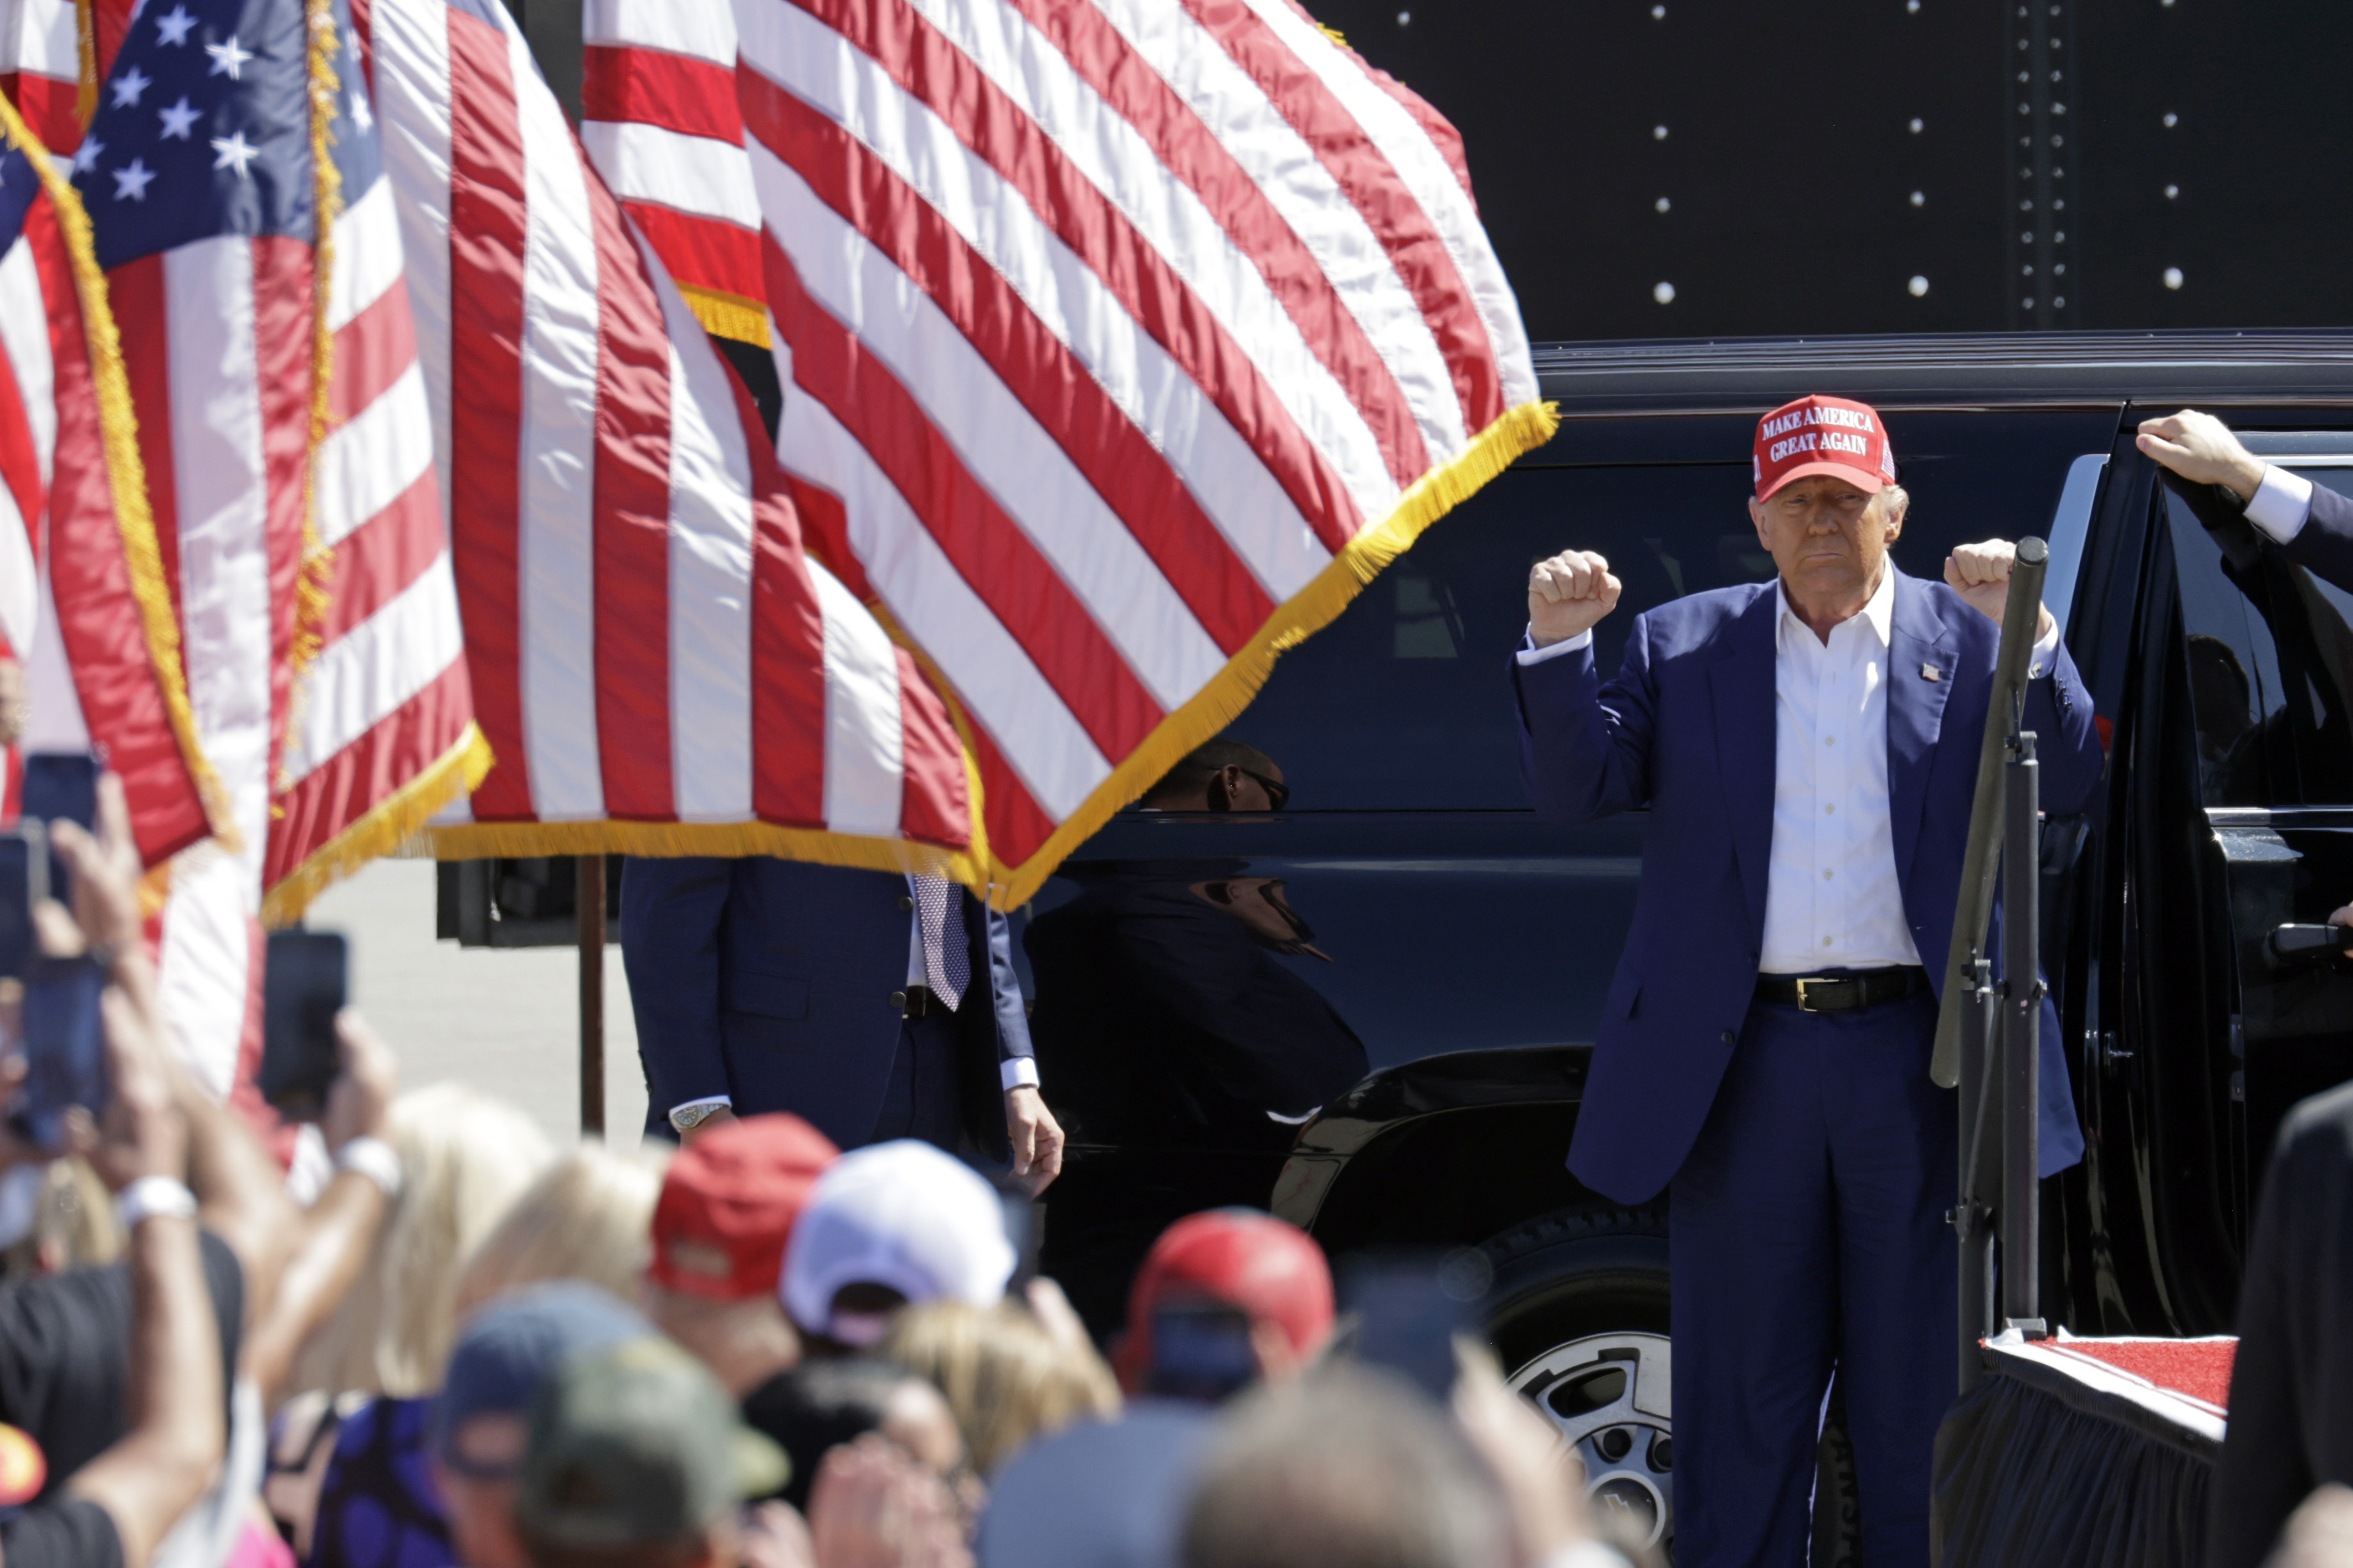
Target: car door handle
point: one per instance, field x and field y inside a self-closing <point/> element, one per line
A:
<point x="2310" y="944"/>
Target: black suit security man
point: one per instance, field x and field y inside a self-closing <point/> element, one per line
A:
<point x="2291" y="1386"/>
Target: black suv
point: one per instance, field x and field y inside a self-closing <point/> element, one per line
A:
<point x="1405" y="951"/>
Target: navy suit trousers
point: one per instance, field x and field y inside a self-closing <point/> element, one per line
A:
<point x="924" y="1098"/>
<point x="1808" y="1236"/>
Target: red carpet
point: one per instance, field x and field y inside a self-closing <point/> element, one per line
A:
<point x="2199" y="1368"/>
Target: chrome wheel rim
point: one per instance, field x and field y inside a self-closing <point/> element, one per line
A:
<point x="1610" y="1396"/>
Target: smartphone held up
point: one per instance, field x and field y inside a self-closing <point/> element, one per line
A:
<point x="305" y="984"/>
<point x="58" y="1034"/>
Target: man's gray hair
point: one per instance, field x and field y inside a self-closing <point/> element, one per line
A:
<point x="1351" y="1469"/>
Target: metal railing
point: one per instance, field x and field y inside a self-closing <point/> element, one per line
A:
<point x="1988" y="1030"/>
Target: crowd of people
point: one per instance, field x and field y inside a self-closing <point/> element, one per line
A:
<point x="454" y="1344"/>
<point x="468" y="1348"/>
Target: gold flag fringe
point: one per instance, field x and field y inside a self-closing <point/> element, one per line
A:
<point x="726" y="315"/>
<point x="86" y="59"/>
<point x="1313" y="608"/>
<point x="127" y="478"/>
<point x="382" y="830"/>
<point x="327" y="201"/>
<point x="474" y="840"/>
<point x="1009" y="887"/>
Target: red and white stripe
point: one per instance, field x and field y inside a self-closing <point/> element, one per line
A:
<point x="93" y="674"/>
<point x="649" y="644"/>
<point x="1104" y="329"/>
<point x="218" y="345"/>
<point x="658" y="116"/>
<point x="40" y="68"/>
<point x="386" y="702"/>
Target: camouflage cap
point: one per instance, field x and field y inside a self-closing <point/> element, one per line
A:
<point x="636" y="1443"/>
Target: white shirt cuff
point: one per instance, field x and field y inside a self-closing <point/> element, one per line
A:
<point x="375" y="1159"/>
<point x="721" y="1102"/>
<point x="2046" y="653"/>
<point x="2280" y="503"/>
<point x="1531" y="654"/>
<point x="1015" y="1072"/>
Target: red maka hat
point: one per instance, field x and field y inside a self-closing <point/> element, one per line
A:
<point x="1833" y="436"/>
<point x="728" y="1203"/>
<point x="1267" y="1269"/>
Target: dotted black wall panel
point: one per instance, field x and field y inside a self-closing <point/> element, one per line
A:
<point x="1673" y="168"/>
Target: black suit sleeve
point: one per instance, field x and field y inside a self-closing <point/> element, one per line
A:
<point x="2290" y="1428"/>
<point x="2324" y="544"/>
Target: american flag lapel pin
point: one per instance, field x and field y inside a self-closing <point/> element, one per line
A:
<point x="1928" y="672"/>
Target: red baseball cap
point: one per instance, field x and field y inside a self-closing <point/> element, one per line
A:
<point x="1266" y="1267"/>
<point x="728" y="1203"/>
<point x="1834" y="436"/>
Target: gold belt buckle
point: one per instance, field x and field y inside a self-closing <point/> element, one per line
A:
<point x="1805" y="1006"/>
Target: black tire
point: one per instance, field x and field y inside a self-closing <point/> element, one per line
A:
<point x="1573" y="1273"/>
<point x="1581" y="1272"/>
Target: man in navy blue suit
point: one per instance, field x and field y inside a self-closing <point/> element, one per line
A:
<point x="1807" y="748"/>
<point x="872" y="1004"/>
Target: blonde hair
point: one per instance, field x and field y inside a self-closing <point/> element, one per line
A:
<point x="1008" y="1381"/>
<point x="587" y="1217"/>
<point x="73" y="1222"/>
<point x="465" y="1158"/>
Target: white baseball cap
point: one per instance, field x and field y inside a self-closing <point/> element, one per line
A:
<point x="903" y="1215"/>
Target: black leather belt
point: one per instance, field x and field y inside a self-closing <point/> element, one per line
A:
<point x="917" y="1002"/>
<point x="1842" y="992"/>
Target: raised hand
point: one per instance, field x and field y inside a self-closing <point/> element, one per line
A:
<point x="359" y="1103"/>
<point x="1569" y="594"/>
<point x="2201" y="449"/>
<point x="1980" y="573"/>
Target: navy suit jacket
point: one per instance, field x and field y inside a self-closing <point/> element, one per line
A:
<point x="769" y="981"/>
<point x="1687" y="729"/>
<point x="2324" y="542"/>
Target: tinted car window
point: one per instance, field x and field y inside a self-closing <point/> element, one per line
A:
<point x="1402" y="703"/>
<point x="2270" y="648"/>
<point x="2236" y="691"/>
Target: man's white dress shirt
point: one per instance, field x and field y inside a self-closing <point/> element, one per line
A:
<point x="2281" y="504"/>
<point x="1831" y="898"/>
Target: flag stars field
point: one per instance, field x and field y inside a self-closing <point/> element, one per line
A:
<point x="174" y="28"/>
<point x="178" y="119"/>
<point x="132" y="179"/>
<point x="227" y="59"/>
<point x="235" y="152"/>
<point x="129" y="86"/>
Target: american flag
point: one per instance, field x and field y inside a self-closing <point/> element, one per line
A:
<point x="281" y="416"/>
<point x="658" y="116"/>
<point x="659" y="666"/>
<point x="81" y="593"/>
<point x="1122" y="341"/>
<point x="41" y="67"/>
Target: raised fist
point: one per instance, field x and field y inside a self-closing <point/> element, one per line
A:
<point x="1568" y="594"/>
<point x="1980" y="573"/>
